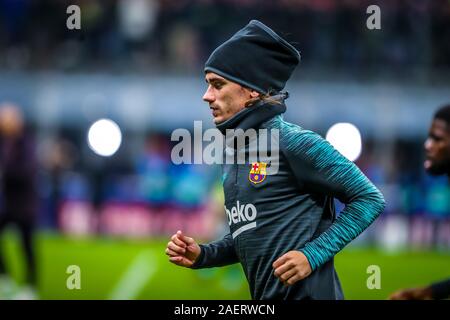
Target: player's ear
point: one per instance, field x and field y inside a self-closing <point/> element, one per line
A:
<point x="254" y="94"/>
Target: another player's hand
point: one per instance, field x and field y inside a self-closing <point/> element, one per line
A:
<point x="412" y="294"/>
<point x="291" y="267"/>
<point x="182" y="250"/>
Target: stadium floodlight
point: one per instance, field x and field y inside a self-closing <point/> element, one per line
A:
<point x="346" y="138"/>
<point x="104" y="137"/>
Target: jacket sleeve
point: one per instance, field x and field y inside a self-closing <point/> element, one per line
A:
<point x="441" y="289"/>
<point x="216" y="254"/>
<point x="320" y="169"/>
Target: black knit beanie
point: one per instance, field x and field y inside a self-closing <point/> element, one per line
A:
<point x="255" y="57"/>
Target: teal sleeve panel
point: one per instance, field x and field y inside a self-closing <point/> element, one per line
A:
<point x="217" y="254"/>
<point x="319" y="168"/>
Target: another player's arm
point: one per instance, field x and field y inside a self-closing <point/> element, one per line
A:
<point x="440" y="290"/>
<point x="437" y="290"/>
<point x="319" y="168"/>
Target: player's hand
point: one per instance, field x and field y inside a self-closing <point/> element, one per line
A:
<point x="412" y="294"/>
<point x="182" y="250"/>
<point x="291" y="267"/>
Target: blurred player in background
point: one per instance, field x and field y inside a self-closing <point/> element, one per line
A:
<point x="18" y="196"/>
<point x="437" y="162"/>
<point x="288" y="251"/>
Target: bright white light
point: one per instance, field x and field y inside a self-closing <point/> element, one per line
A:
<point x="345" y="138"/>
<point x="104" y="137"/>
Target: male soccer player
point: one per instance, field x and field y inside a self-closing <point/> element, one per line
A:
<point x="437" y="162"/>
<point x="283" y="228"/>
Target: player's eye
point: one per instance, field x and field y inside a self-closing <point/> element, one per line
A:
<point x="435" y="138"/>
<point x="217" y="85"/>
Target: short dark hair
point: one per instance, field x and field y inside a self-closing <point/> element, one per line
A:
<point x="443" y="113"/>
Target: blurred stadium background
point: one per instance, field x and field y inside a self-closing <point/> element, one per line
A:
<point x="139" y="63"/>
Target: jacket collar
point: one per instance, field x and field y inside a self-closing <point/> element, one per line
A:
<point x="253" y="116"/>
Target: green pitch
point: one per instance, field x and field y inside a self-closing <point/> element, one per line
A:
<point x="120" y="269"/>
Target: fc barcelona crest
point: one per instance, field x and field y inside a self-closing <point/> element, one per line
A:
<point x="257" y="172"/>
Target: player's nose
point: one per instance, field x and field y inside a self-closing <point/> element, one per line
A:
<point x="208" y="96"/>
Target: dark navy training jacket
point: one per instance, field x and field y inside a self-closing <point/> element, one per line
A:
<point x="292" y="208"/>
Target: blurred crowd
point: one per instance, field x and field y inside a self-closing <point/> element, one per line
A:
<point x="177" y="35"/>
<point x="136" y="190"/>
<point x="139" y="192"/>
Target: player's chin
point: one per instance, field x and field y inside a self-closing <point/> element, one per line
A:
<point x="218" y="120"/>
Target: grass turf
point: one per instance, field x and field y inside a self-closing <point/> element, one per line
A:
<point x="125" y="269"/>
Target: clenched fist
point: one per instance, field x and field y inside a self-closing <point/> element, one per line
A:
<point x="182" y="250"/>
